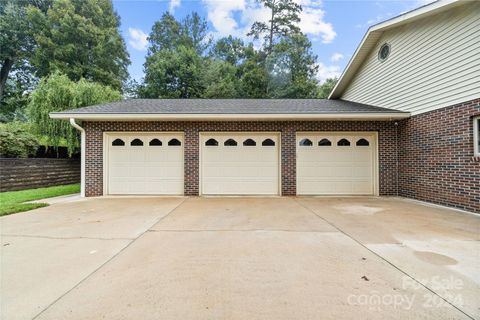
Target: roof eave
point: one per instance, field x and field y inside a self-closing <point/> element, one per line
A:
<point x="377" y="30"/>
<point x="379" y="116"/>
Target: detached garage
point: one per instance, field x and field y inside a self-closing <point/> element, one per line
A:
<point x="236" y="147"/>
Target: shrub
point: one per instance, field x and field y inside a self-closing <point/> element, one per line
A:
<point x="16" y="141"/>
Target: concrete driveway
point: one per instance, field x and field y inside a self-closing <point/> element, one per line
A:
<point x="240" y="258"/>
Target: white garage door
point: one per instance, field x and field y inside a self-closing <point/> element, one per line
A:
<point x="144" y="163"/>
<point x="240" y="163"/>
<point x="340" y="163"/>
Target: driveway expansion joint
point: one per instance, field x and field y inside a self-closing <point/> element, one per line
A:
<point x="240" y="230"/>
<point x="62" y="238"/>
<point x="384" y="259"/>
<point x="109" y="260"/>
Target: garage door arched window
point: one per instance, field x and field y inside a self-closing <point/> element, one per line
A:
<point x="211" y="142"/>
<point x="305" y="143"/>
<point x="136" y="143"/>
<point x="268" y="143"/>
<point x="324" y="143"/>
<point x="249" y="143"/>
<point x="343" y="143"/>
<point x="155" y="143"/>
<point x="230" y="143"/>
<point x="118" y="143"/>
<point x="174" y="142"/>
<point x="362" y="143"/>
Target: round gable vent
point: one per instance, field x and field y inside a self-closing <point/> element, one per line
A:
<point x="384" y="52"/>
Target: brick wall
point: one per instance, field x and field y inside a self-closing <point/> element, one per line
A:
<point x="436" y="157"/>
<point x="387" y="145"/>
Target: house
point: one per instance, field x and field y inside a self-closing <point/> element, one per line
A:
<point x="401" y="121"/>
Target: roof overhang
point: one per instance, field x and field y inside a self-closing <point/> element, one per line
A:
<point x="379" y="116"/>
<point x="374" y="33"/>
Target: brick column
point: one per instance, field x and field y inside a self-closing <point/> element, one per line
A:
<point x="289" y="162"/>
<point x="191" y="162"/>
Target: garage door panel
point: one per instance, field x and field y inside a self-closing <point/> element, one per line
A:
<point x="239" y="170"/>
<point x="148" y="169"/>
<point x="334" y="169"/>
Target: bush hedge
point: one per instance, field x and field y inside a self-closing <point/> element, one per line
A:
<point x="16" y="141"/>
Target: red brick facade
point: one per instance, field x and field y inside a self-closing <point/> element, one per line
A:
<point x="436" y="162"/>
<point x="387" y="145"/>
<point x="428" y="157"/>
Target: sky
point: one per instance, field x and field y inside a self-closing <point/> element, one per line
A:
<point x="335" y="27"/>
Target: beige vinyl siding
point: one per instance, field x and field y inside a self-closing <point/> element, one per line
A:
<point x="433" y="63"/>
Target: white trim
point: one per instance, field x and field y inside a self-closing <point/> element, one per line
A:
<point x="476" y="136"/>
<point x="105" y="158"/>
<point x="219" y="133"/>
<point x="376" y="156"/>
<point x="234" y="117"/>
<point x="82" y="155"/>
<point x="370" y="39"/>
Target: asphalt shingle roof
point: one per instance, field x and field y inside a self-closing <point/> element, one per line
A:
<point x="228" y="106"/>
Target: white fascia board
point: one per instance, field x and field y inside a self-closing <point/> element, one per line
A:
<point x="229" y="117"/>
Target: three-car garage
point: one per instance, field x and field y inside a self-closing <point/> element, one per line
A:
<point x="240" y="163"/>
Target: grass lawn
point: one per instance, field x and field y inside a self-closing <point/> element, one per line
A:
<point x="13" y="201"/>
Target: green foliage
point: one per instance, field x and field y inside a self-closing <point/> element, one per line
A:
<point x="15" y="99"/>
<point x="253" y="74"/>
<point x="221" y="80"/>
<point x="168" y="33"/>
<point x="174" y="65"/>
<point x="13" y="201"/>
<point x="325" y="88"/>
<point x="59" y="93"/>
<point x="16" y="43"/>
<point x="195" y="33"/>
<point x="177" y="67"/>
<point x="229" y="49"/>
<point x="81" y="39"/>
<point x="16" y="141"/>
<point x="173" y="74"/>
<point x="284" y="17"/>
<point x="292" y="68"/>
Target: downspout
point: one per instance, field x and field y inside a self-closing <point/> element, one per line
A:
<point x="82" y="156"/>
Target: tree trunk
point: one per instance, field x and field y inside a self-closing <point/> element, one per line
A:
<point x="270" y="40"/>
<point x="6" y="67"/>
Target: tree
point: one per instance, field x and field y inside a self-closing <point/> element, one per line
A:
<point x="195" y="33"/>
<point x="220" y="78"/>
<point x="16" y="37"/>
<point x="58" y="93"/>
<point x="175" y="63"/>
<point x="229" y="49"/>
<point x="173" y="74"/>
<point x="15" y="96"/>
<point x="168" y="33"/>
<point x="81" y="39"/>
<point x="253" y="75"/>
<point x="325" y="88"/>
<point x="283" y="20"/>
<point x="292" y="68"/>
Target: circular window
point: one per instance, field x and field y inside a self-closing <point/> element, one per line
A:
<point x="384" y="52"/>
